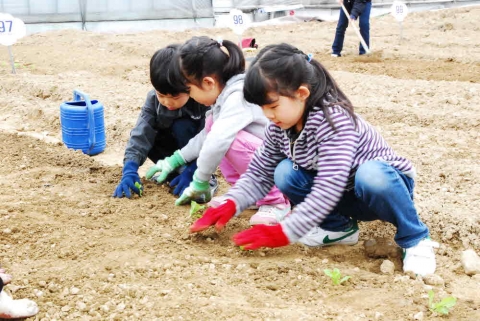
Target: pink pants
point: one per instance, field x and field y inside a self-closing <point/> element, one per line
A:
<point x="236" y="161"/>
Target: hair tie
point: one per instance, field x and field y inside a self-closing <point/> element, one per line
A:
<point x="222" y="47"/>
<point x="309" y="57"/>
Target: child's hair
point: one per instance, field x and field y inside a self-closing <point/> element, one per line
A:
<point x="282" y="69"/>
<point x="201" y="57"/>
<point x="163" y="76"/>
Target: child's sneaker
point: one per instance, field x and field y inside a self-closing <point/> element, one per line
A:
<point x="320" y="237"/>
<point x="420" y="259"/>
<point x="270" y="214"/>
<point x="216" y="201"/>
<point x="213" y="185"/>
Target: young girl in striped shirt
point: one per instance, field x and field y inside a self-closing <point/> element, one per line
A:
<point x="332" y="164"/>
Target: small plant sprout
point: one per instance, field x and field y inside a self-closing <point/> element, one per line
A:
<point x="442" y="307"/>
<point x="140" y="188"/>
<point x="196" y="210"/>
<point x="336" y="276"/>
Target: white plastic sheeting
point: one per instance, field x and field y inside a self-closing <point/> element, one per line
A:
<point x="47" y="11"/>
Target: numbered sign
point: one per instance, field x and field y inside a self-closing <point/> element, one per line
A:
<point x="238" y="21"/>
<point x="11" y="29"/>
<point x="399" y="10"/>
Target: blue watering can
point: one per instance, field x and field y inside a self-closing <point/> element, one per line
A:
<point x="83" y="126"/>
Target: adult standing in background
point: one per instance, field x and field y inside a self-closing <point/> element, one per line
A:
<point x="357" y="9"/>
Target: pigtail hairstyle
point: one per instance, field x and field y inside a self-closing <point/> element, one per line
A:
<point x="282" y="69"/>
<point x="162" y="72"/>
<point x="200" y="57"/>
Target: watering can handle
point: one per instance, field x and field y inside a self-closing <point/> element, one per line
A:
<point x="77" y="96"/>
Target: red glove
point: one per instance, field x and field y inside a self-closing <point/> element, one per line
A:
<point x="261" y="236"/>
<point x="218" y="216"/>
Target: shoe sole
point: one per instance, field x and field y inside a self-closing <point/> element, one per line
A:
<point x="265" y="222"/>
<point x="343" y="241"/>
<point x="330" y="244"/>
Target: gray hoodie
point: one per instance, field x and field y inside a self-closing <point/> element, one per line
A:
<point x="231" y="114"/>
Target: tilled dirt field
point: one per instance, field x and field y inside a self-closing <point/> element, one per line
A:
<point x="82" y="255"/>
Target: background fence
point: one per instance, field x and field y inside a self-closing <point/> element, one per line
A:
<point x="50" y="11"/>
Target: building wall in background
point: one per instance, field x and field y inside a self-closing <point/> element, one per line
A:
<point x="54" y="11"/>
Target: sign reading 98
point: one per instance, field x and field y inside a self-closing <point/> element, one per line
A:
<point x="399" y="10"/>
<point x="238" y="21"/>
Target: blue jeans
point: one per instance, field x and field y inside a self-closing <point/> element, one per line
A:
<point x="381" y="192"/>
<point x="364" y="23"/>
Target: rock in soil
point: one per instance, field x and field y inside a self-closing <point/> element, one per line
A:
<point x="382" y="248"/>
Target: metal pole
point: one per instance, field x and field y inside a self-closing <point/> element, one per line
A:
<point x="401" y="30"/>
<point x="12" y="61"/>
<point x="194" y="12"/>
<point x="82" y="5"/>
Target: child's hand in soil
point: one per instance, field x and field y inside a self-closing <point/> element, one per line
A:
<point x="218" y="216"/>
<point x="261" y="236"/>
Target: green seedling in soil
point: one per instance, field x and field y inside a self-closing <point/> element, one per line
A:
<point x="140" y="188"/>
<point x="18" y="65"/>
<point x="442" y="307"/>
<point x="242" y="248"/>
<point x="196" y="210"/>
<point x="336" y="276"/>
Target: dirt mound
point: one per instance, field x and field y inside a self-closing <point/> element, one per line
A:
<point x="83" y="255"/>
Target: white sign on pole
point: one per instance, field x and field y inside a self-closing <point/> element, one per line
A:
<point x="11" y="29"/>
<point x="399" y="10"/>
<point x="239" y="22"/>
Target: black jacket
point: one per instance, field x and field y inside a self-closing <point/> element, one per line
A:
<point x="155" y="117"/>
<point x="355" y="7"/>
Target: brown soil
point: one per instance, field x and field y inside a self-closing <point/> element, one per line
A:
<point x="133" y="259"/>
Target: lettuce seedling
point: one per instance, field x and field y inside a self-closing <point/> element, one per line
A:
<point x="442" y="307"/>
<point x="196" y="210"/>
<point x="336" y="276"/>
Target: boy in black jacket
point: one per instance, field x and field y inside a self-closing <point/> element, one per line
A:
<point x="356" y="9"/>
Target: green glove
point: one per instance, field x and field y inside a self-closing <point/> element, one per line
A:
<point x="198" y="191"/>
<point x="165" y="167"/>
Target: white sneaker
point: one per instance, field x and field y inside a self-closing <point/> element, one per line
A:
<point x="213" y="185"/>
<point x="420" y="259"/>
<point x="335" y="55"/>
<point x="270" y="214"/>
<point x="320" y="237"/>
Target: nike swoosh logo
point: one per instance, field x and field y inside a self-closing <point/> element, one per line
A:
<point x="327" y="240"/>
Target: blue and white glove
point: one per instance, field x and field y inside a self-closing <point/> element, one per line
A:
<point x="130" y="181"/>
<point x="181" y="182"/>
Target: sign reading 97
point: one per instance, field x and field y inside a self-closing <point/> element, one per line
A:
<point x="11" y="29"/>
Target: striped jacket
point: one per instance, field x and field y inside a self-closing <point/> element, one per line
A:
<point x="334" y="154"/>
